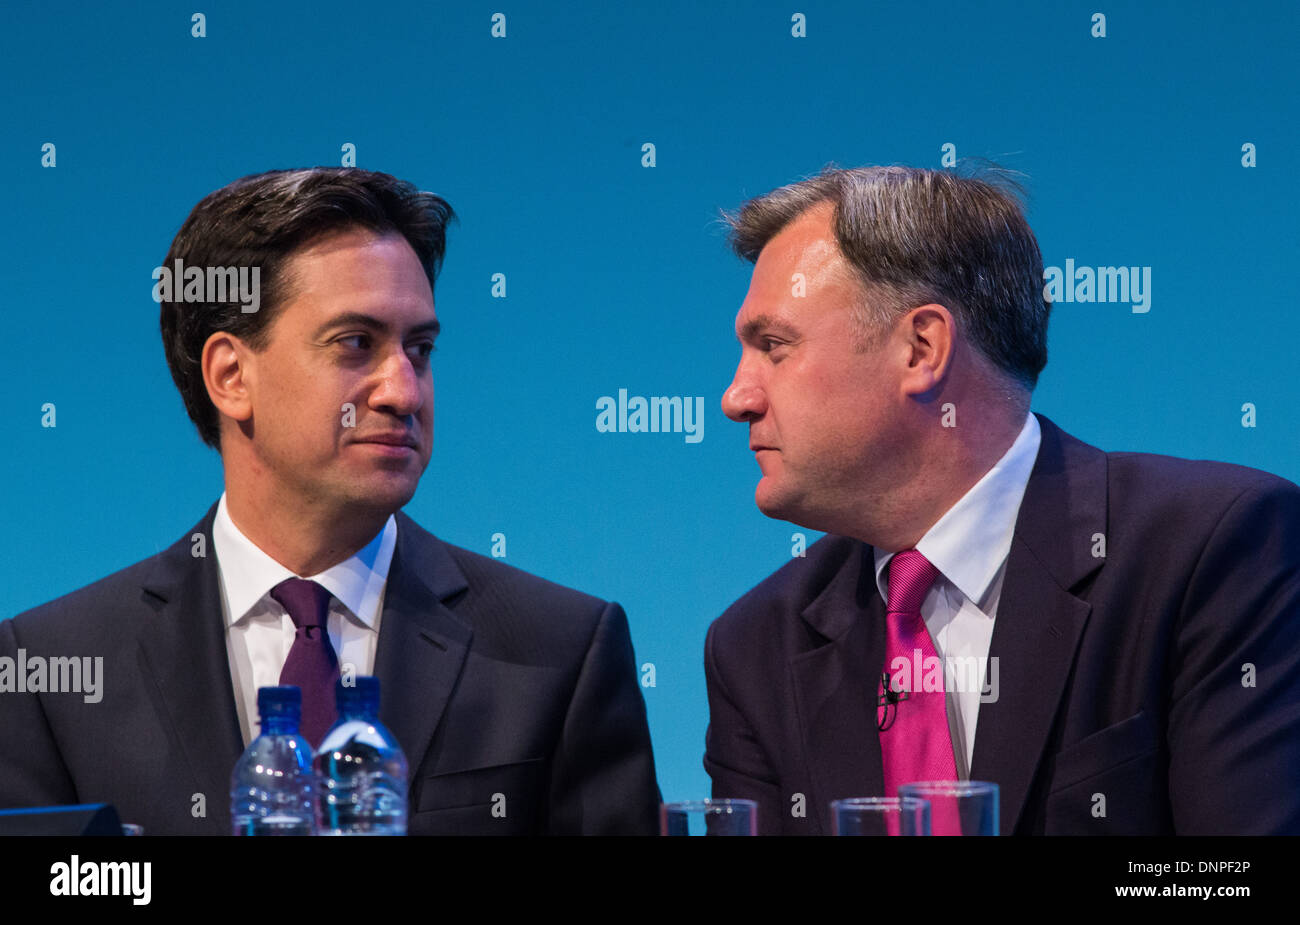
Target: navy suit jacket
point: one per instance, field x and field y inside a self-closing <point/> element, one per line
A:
<point x="493" y="680"/>
<point x="1152" y="690"/>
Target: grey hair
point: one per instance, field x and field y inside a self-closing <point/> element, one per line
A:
<point x="915" y="236"/>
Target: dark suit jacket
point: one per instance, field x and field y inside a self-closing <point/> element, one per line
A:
<point x="1155" y="690"/>
<point x="494" y="682"/>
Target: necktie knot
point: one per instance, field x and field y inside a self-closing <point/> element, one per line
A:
<point x="307" y="602"/>
<point x="910" y="577"/>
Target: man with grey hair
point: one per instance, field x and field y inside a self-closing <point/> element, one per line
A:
<point x="1121" y="629"/>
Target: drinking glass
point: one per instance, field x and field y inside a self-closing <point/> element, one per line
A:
<point x="709" y="817"/>
<point x="958" y="807"/>
<point x="880" y="816"/>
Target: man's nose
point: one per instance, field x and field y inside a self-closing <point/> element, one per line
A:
<point x="399" y="389"/>
<point x="744" y="399"/>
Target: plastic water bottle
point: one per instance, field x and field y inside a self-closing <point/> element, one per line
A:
<point x="271" y="787"/>
<point x="360" y="768"/>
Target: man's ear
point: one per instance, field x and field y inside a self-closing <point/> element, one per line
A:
<point x="229" y="374"/>
<point x="930" y="337"/>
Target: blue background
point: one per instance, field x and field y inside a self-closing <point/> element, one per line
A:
<point x="617" y="274"/>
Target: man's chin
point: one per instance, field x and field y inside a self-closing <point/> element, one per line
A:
<point x="382" y="496"/>
<point x="773" y="504"/>
<point x="791" y="510"/>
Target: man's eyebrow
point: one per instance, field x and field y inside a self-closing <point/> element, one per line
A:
<point x="760" y="323"/>
<point x="375" y="324"/>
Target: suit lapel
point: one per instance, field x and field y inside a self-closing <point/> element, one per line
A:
<point x="1039" y="621"/>
<point x="184" y="646"/>
<point x="422" y="646"/>
<point x="835" y="688"/>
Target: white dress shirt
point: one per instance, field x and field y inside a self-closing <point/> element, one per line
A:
<point x="969" y="546"/>
<point x="259" y="631"/>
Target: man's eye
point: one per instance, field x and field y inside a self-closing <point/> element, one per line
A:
<point x="424" y="348"/>
<point x="362" y="341"/>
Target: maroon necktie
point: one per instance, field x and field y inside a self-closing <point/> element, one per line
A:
<point x="312" y="664"/>
<point x="913" y="718"/>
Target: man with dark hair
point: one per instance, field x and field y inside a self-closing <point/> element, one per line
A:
<point x="1121" y="629"/>
<point x="515" y="700"/>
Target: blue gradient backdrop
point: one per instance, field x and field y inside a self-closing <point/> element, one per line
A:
<point x="617" y="274"/>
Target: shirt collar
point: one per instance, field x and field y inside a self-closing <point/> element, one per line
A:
<point x="248" y="574"/>
<point x="969" y="544"/>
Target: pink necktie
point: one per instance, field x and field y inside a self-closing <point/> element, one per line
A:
<point x="912" y="717"/>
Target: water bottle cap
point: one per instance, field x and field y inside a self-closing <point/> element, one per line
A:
<point x="285" y="700"/>
<point x="363" y="691"/>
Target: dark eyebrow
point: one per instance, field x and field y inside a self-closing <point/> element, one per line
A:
<point x="373" y="323"/>
<point x="759" y="323"/>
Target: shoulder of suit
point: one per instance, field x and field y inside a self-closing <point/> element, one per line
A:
<point x="122" y="590"/>
<point x="520" y="617"/>
<point x="1169" y="483"/>
<point x="493" y="578"/>
<point x="484" y="571"/>
<point x="1153" y="488"/>
<point x="791" y="588"/>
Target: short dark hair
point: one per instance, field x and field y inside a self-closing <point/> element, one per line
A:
<point x="262" y="221"/>
<point x="915" y="236"/>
